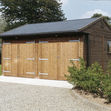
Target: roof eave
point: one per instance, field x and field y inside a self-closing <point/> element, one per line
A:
<point x="45" y="33"/>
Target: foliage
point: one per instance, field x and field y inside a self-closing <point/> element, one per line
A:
<point x="92" y="79"/>
<point x="109" y="68"/>
<point x="107" y="83"/>
<point x="2" y="27"/>
<point x="107" y="87"/>
<point x="108" y="19"/>
<point x="96" y="75"/>
<point x="88" y="79"/>
<point x="19" y="12"/>
<point x="100" y="15"/>
<point x="2" y="24"/>
<point x="76" y="73"/>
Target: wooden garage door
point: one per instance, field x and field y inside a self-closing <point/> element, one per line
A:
<point x="67" y="51"/>
<point x="54" y="58"/>
<point x="9" y="59"/>
<point x="27" y="67"/>
<point x="44" y="60"/>
<point x="47" y="60"/>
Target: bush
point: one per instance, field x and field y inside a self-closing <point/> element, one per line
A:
<point x="91" y="79"/>
<point x="96" y="77"/>
<point x="88" y="79"/>
<point x="107" y="83"/>
<point x="107" y="87"/>
<point x="76" y="74"/>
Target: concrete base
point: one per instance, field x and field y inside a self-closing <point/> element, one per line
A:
<point x="40" y="82"/>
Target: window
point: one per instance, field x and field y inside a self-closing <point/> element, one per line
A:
<point x="6" y="42"/>
<point x="43" y="41"/>
<point x="74" y="40"/>
<point x="30" y="42"/>
<point x="109" y="46"/>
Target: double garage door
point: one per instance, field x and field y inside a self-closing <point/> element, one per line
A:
<point x="39" y="59"/>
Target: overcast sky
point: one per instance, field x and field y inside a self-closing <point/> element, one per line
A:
<point x="75" y="9"/>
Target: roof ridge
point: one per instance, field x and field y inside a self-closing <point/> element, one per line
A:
<point x="64" y="21"/>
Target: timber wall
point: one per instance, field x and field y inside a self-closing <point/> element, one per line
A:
<point x="99" y="34"/>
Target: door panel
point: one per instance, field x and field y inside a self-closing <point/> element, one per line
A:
<point x="10" y="59"/>
<point x="47" y="61"/>
<point x="14" y="59"/>
<point x="43" y="60"/>
<point x="29" y="68"/>
<point x="67" y="51"/>
<point x="27" y="60"/>
<point x="53" y="61"/>
<point x="6" y="59"/>
<point x="21" y="59"/>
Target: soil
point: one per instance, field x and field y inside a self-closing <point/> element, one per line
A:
<point x="93" y="98"/>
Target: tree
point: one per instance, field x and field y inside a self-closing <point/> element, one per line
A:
<point x="2" y="27"/>
<point x="19" y="12"/>
<point x="108" y="19"/>
<point x="2" y="24"/>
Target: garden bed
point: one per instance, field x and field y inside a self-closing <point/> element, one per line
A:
<point x="93" y="98"/>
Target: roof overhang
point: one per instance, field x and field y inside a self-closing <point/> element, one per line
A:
<point x="45" y="34"/>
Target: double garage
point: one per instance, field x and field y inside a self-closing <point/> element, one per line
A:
<point x="44" y="50"/>
<point x="41" y="58"/>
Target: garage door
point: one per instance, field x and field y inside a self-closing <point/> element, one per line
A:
<point x="19" y="59"/>
<point x="54" y="58"/>
<point x="47" y="60"/>
<point x="9" y="59"/>
<point x="67" y="51"/>
<point x="26" y="65"/>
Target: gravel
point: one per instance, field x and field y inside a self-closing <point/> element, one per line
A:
<point x="18" y="97"/>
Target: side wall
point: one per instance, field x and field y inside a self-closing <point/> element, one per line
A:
<point x="99" y="34"/>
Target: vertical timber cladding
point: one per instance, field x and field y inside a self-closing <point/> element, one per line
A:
<point x="9" y="58"/>
<point x="54" y="57"/>
<point x="18" y="58"/>
<point x="67" y="51"/>
<point x="47" y="60"/>
<point x="43" y="59"/>
<point x="26" y="53"/>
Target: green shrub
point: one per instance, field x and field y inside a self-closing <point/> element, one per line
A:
<point x="91" y="79"/>
<point x="76" y="74"/>
<point x="109" y="68"/>
<point x="107" y="87"/>
<point x="88" y="79"/>
<point x="96" y="77"/>
<point x="107" y="83"/>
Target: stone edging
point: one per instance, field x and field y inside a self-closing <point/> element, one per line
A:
<point x="91" y="104"/>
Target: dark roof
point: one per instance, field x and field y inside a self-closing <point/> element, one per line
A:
<point x="50" y="27"/>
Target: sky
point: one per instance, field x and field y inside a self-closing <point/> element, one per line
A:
<point x="77" y="9"/>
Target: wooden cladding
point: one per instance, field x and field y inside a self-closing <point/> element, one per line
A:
<point x="45" y="60"/>
<point x="15" y="61"/>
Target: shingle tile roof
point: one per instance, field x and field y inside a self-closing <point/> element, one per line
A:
<point x="50" y="27"/>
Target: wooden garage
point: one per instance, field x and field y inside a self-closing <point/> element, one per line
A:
<point x="44" y="50"/>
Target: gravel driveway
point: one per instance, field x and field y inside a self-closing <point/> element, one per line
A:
<point x="18" y="97"/>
